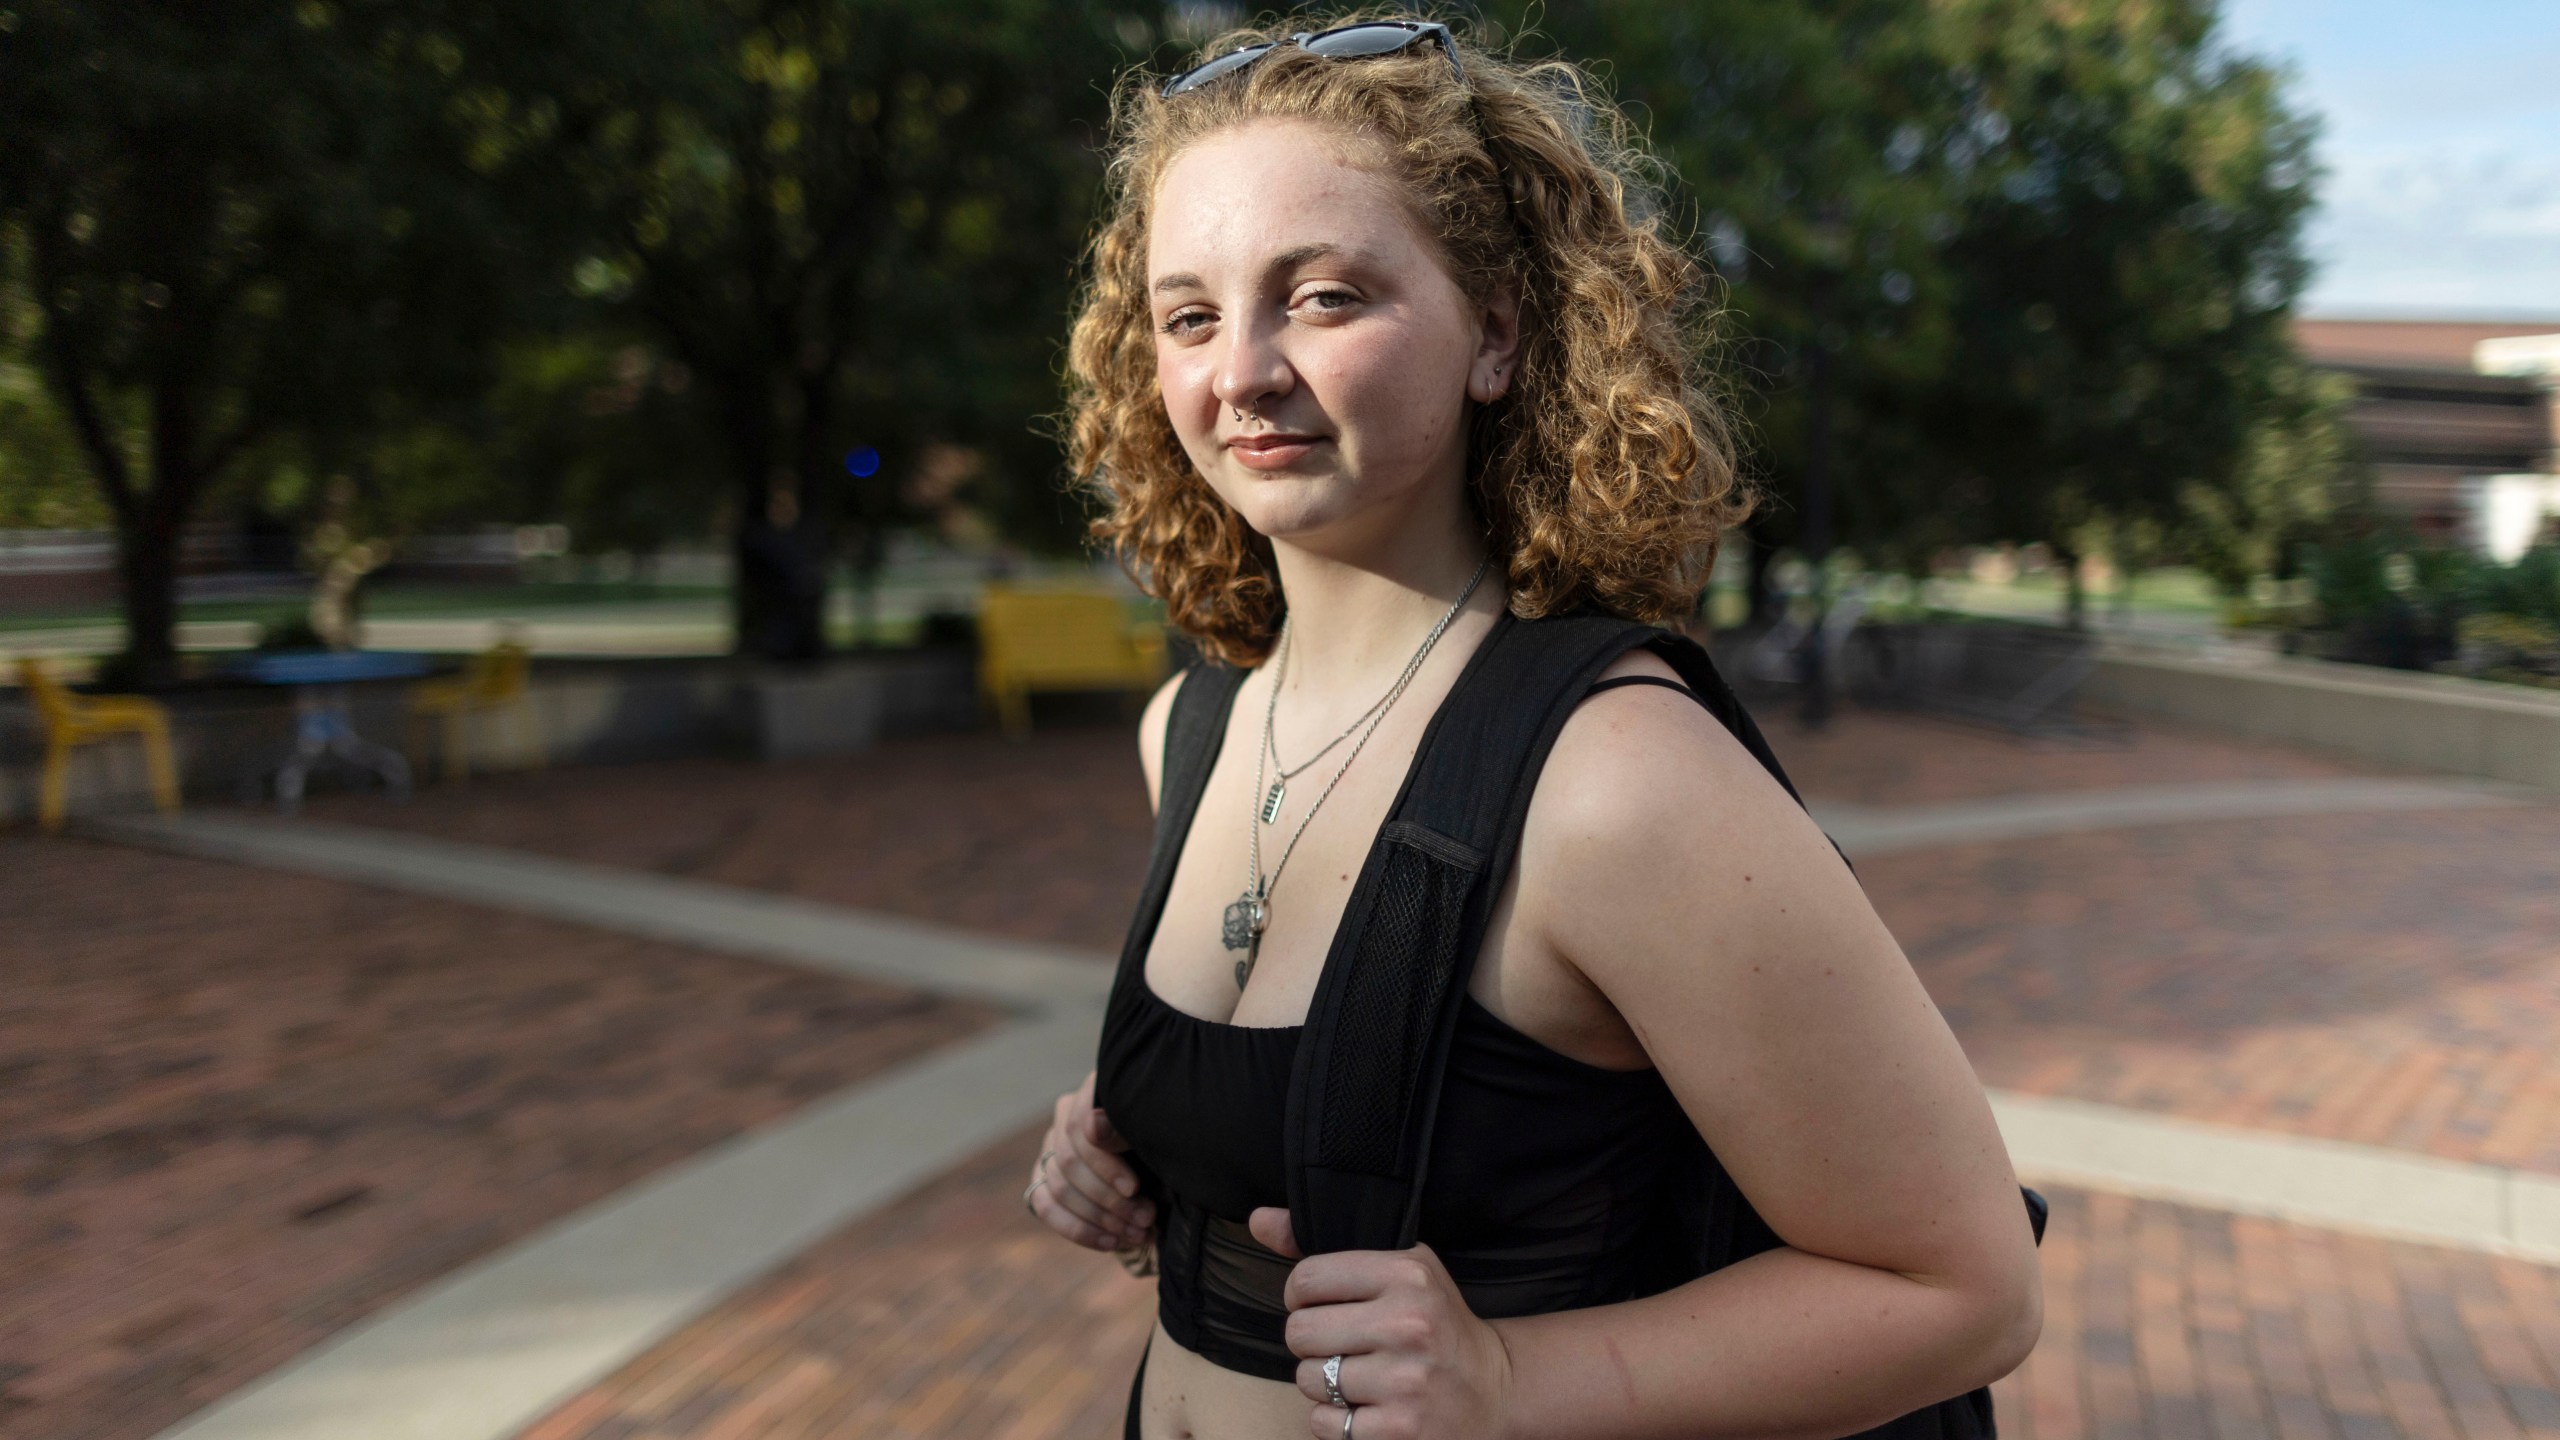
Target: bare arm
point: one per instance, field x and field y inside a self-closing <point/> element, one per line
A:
<point x="1673" y="874"/>
<point x="1665" y="872"/>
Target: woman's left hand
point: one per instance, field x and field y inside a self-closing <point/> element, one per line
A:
<point x="1417" y="1364"/>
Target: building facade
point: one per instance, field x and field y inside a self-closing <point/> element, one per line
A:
<point x="2458" y="421"/>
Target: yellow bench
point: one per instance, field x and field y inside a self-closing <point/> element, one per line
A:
<point x="72" y="720"/>
<point x="493" y="680"/>
<point x="1060" y="640"/>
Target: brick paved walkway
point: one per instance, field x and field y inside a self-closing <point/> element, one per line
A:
<point x="2392" y="979"/>
<point x="240" y="1109"/>
<point x="1046" y="839"/>
<point x="948" y="1315"/>
<point x="1866" y="758"/>
<point x="1042" y="840"/>
<point x="2180" y="1324"/>
<point x="2392" y="983"/>
<point x="952" y="1317"/>
<point x="2374" y="978"/>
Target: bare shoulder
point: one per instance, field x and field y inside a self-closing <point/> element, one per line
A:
<point x="1639" y="767"/>
<point x="1151" y="727"/>
<point x="1650" y="816"/>
<point x="1663" y="866"/>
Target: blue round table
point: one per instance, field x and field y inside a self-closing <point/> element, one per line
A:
<point x="321" y="725"/>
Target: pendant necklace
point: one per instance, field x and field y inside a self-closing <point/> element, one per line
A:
<point x="1250" y="913"/>
<point x="1280" y="783"/>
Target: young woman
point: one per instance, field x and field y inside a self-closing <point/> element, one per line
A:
<point x="1382" y="344"/>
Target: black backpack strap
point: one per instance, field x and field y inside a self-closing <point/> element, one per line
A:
<point x="1192" y="734"/>
<point x="1365" y="1090"/>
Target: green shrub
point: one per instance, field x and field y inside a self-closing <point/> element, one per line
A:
<point x="2383" y="595"/>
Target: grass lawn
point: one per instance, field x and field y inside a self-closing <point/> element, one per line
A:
<point x="2178" y="592"/>
<point x="420" y="600"/>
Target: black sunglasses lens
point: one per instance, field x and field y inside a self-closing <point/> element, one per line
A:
<point x="1226" y="64"/>
<point x="1355" y="42"/>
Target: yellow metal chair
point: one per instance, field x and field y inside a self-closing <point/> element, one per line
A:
<point x="73" y="720"/>
<point x="495" y="679"/>
<point x="1060" y="640"/>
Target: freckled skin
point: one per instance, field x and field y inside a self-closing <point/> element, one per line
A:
<point x="1368" y="345"/>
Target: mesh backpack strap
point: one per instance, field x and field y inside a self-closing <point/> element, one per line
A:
<point x="1365" y="1089"/>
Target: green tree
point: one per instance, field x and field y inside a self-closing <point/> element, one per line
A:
<point x="44" y="480"/>
<point x="850" y="223"/>
<point x="2129" y="257"/>
<point x="241" y="224"/>
<point x="1996" y="269"/>
<point x="2282" y="487"/>
<point x="600" y="428"/>
<point x="1822" y="148"/>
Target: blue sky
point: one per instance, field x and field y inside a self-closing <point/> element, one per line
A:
<point x="2441" y="136"/>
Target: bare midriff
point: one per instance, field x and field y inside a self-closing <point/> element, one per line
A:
<point x="1187" y="1398"/>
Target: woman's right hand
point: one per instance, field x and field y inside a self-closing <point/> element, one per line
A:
<point x="1080" y="1187"/>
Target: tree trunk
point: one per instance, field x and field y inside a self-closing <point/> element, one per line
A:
<point x="780" y="593"/>
<point x="147" y="542"/>
<point x="2075" y="595"/>
<point x="1761" y="578"/>
<point x="1815" y="534"/>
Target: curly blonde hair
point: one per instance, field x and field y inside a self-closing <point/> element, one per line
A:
<point x="1604" y="477"/>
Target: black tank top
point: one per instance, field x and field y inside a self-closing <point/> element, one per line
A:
<point x="1546" y="1172"/>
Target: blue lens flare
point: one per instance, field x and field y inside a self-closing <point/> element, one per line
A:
<point x="862" y="461"/>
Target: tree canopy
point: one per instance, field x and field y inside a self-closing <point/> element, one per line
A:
<point x="1994" y="269"/>
<point x="244" y="225"/>
<point x="851" y="223"/>
<point x="2013" y="267"/>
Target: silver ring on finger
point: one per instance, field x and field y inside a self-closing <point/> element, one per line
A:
<point x="1333" y="1384"/>
<point x="1348" y="1412"/>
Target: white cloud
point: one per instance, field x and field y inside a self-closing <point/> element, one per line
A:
<point x="2443" y="191"/>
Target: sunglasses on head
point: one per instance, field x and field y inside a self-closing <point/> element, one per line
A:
<point x="1348" y="42"/>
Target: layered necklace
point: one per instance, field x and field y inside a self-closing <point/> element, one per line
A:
<point x="1250" y="914"/>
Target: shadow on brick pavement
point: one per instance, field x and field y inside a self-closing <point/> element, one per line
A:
<point x="240" y="1110"/>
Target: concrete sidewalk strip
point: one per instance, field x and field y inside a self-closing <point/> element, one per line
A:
<point x="725" y="918"/>
<point x="2255" y="1172"/>
<point x="491" y="1348"/>
<point x="1865" y="831"/>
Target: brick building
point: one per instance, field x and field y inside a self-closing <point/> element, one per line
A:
<point x="2461" y="450"/>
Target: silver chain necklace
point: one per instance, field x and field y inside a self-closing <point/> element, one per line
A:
<point x="1250" y="913"/>
<point x="1284" y="773"/>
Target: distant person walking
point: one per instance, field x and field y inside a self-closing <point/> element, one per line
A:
<point x="1486" y="960"/>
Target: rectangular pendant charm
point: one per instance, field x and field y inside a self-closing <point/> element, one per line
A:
<point x="1271" y="802"/>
